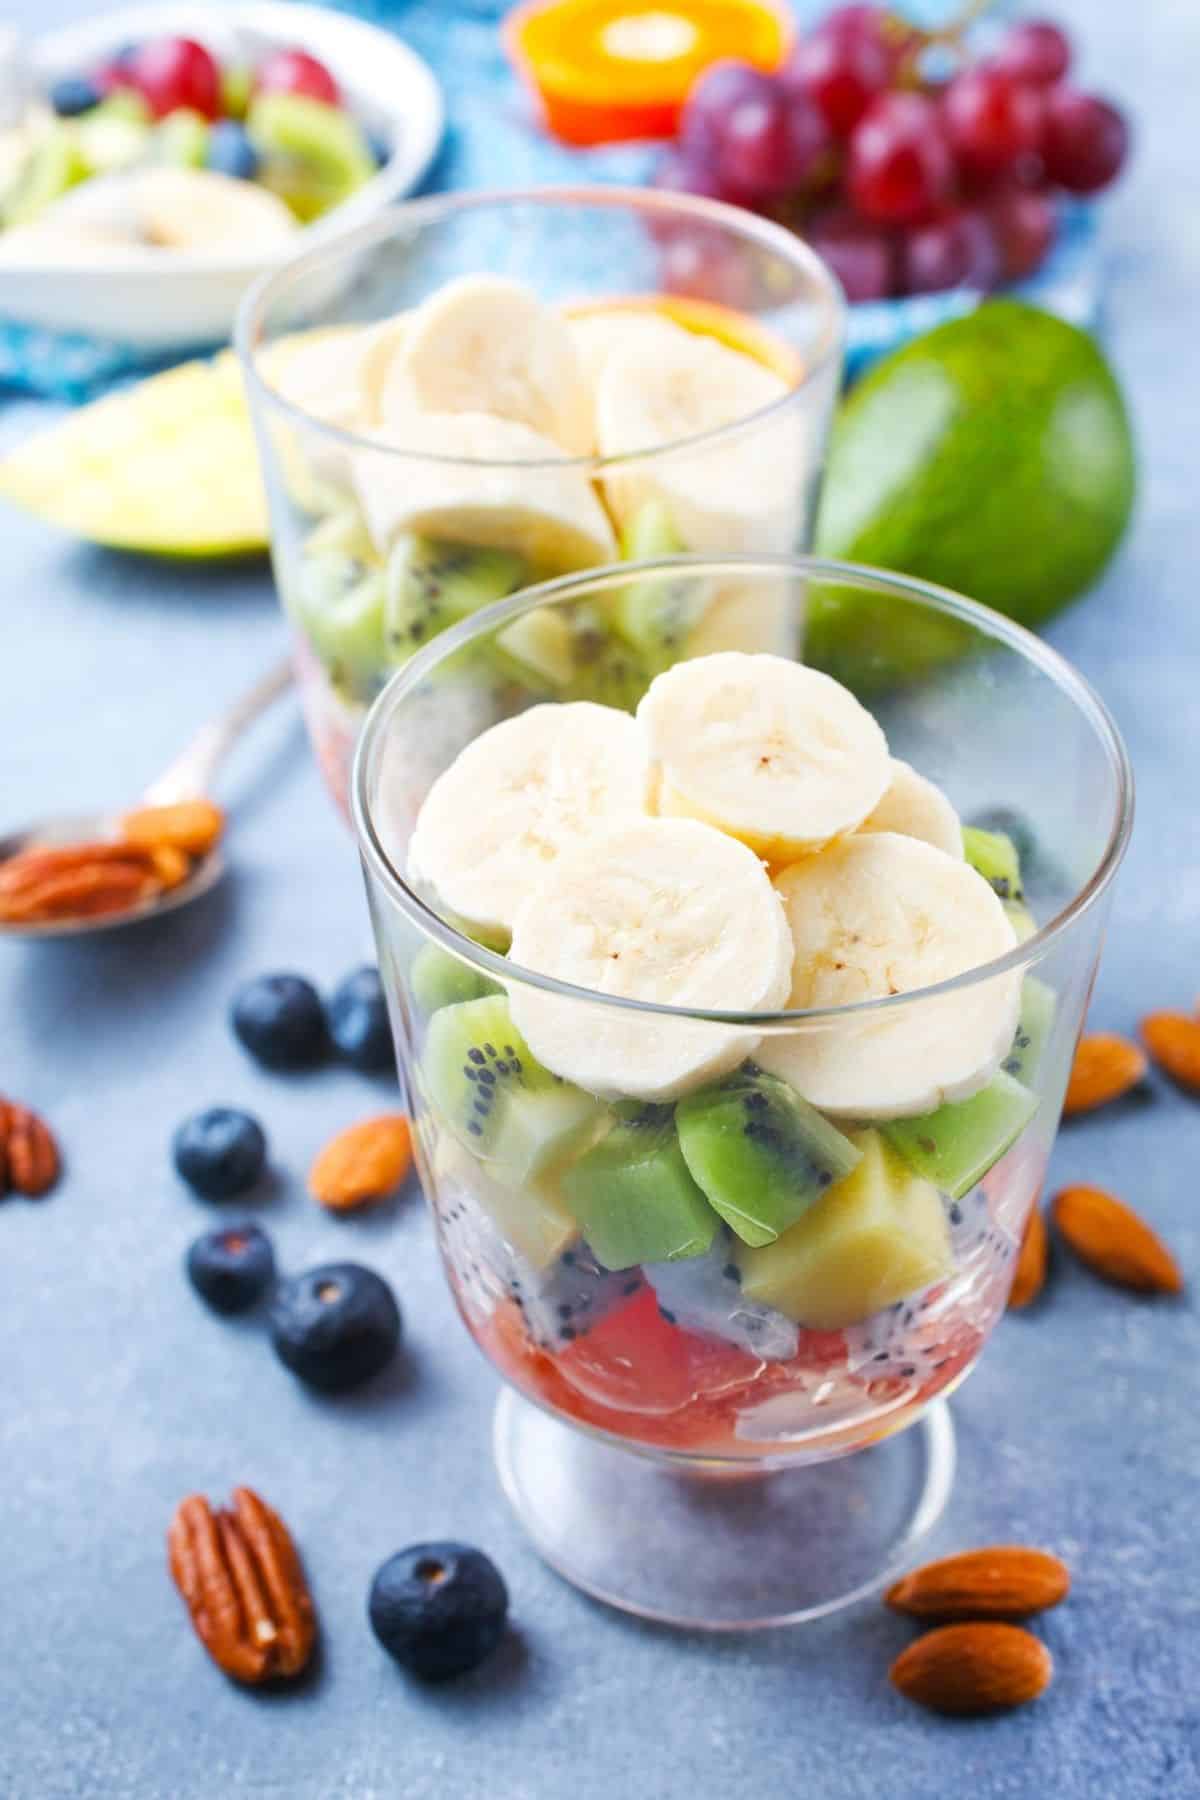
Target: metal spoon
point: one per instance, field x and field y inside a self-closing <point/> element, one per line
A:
<point x="189" y="777"/>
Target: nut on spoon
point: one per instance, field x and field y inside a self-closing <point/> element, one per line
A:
<point x="189" y="777"/>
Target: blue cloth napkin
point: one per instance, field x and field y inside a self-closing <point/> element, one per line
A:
<point x="492" y="141"/>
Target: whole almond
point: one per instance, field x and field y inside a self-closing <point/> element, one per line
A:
<point x="1173" y="1040"/>
<point x="191" y="825"/>
<point x="1029" y="1276"/>
<point x="1114" y="1242"/>
<point x="31" y="1152"/>
<point x="1007" y="1581"/>
<point x="170" y="866"/>
<point x="5" y="1118"/>
<point x="366" y="1162"/>
<point x="1106" y="1067"/>
<point x="978" y="1668"/>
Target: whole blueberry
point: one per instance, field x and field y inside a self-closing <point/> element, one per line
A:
<point x="231" y="1268"/>
<point x="231" y="152"/>
<point x="335" y="1326"/>
<point x="439" y="1608"/>
<point x="280" y="1021"/>
<point x="74" y="95"/>
<point x="220" y="1152"/>
<point x="358" y="1022"/>
<point x="379" y="147"/>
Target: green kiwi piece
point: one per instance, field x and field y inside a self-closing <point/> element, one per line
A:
<point x="1022" y="920"/>
<point x="493" y="1094"/>
<point x="340" y="606"/>
<point x="1038" y="1006"/>
<point x="314" y="155"/>
<point x="761" y="1154"/>
<point x="955" y="1146"/>
<point x="657" y="615"/>
<point x="634" y="1197"/>
<point x="536" y="650"/>
<point x="994" y="856"/>
<point x="110" y="139"/>
<point x="608" y="670"/>
<point x="53" y="166"/>
<point x="438" y="979"/>
<point x="182" y="139"/>
<point x="431" y="585"/>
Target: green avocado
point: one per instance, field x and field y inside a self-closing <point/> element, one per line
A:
<point x="993" y="456"/>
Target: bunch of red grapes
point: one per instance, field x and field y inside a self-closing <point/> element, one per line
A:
<point x="903" y="183"/>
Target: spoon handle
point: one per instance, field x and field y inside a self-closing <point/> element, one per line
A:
<point x="191" y="774"/>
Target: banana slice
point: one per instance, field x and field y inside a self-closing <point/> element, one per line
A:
<point x="762" y="615"/>
<point x="768" y="750"/>
<point x="600" y="335"/>
<point x="336" y="375"/>
<point x="483" y="344"/>
<point x="880" y="914"/>
<point x="197" y="209"/>
<point x="654" y="909"/>
<point x="915" y="808"/>
<point x="475" y="479"/>
<point x="493" y="824"/>
<point x="743" y="491"/>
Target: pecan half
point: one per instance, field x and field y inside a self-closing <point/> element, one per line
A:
<point x="241" y="1579"/>
<point x="30" y="1154"/>
<point x="85" y="887"/>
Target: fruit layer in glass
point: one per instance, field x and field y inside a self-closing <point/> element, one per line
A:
<point x="392" y="520"/>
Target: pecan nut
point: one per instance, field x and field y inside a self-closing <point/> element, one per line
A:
<point x="29" y="1159"/>
<point x="241" y="1578"/>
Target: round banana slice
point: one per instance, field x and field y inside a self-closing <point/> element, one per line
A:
<point x="600" y="335"/>
<point x="880" y="914"/>
<point x="336" y="374"/>
<point x="745" y="491"/>
<point x="198" y="209"/>
<point x="655" y="909"/>
<point x="493" y="824"/>
<point x="768" y="750"/>
<point x="915" y="808"/>
<point x="486" y="344"/>
<point x="475" y="479"/>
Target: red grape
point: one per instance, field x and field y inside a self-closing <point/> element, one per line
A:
<point x="176" y="71"/>
<point x="900" y="168"/>
<point x="843" y="65"/>
<point x="991" y="120"/>
<point x="1085" y="141"/>
<point x="296" y="72"/>
<point x="721" y="87"/>
<point x="1035" y="51"/>
<point x="958" y="248"/>
<point x="1025" y="223"/>
<point x="859" y="254"/>
<point x="770" y="142"/>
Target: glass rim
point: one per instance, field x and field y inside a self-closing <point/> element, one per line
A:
<point x="982" y="618"/>
<point x="247" y="335"/>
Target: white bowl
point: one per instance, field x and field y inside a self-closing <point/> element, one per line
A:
<point x="189" y="298"/>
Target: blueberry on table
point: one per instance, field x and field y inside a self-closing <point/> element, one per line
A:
<point x="231" y="1268"/>
<point x="231" y="152"/>
<point x="220" y="1153"/>
<point x="280" y="1021"/>
<point x="379" y="147"/>
<point x="74" y="95"/>
<point x="438" y="1609"/>
<point x="358" y="1023"/>
<point x="335" y="1326"/>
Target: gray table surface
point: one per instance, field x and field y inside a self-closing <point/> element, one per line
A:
<point x="120" y="1394"/>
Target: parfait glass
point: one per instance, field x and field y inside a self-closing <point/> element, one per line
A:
<point x="697" y="1441"/>
<point x="750" y="485"/>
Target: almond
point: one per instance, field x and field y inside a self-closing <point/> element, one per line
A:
<point x="1114" y="1242"/>
<point x="1029" y="1276"/>
<point x="976" y="1668"/>
<point x="171" y="866"/>
<point x="191" y="825"/>
<point x="1105" y="1067"/>
<point x="364" y="1163"/>
<point x="31" y="1154"/>
<point x="1007" y="1581"/>
<point x="1173" y="1040"/>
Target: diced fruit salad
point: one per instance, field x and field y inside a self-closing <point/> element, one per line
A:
<point x="195" y="156"/>
<point x="708" y="1236"/>
<point x="515" y="412"/>
<point x="908" y="166"/>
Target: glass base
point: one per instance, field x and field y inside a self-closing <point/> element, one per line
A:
<point x="730" y="1549"/>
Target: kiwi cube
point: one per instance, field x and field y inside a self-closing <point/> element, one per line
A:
<point x="955" y="1146"/>
<point x="993" y="855"/>
<point x="634" y="1197"/>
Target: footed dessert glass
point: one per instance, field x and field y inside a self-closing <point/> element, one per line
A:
<point x="361" y="596"/>
<point x="751" y="1434"/>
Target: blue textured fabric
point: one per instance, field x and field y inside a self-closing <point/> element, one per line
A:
<point x="492" y="140"/>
